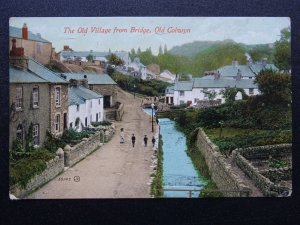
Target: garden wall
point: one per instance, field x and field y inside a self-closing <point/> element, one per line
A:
<point x="261" y="179"/>
<point x="221" y="173"/>
<point x="54" y="167"/>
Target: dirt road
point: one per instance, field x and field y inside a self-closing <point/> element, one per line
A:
<point x="113" y="171"/>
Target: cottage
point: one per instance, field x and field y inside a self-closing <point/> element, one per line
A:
<point x="85" y="106"/>
<point x="100" y="83"/>
<point x="168" y="76"/>
<point x="33" y="44"/>
<point x="229" y="76"/>
<point x="38" y="98"/>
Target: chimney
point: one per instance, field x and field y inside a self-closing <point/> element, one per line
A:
<point x="235" y="63"/>
<point x="73" y="82"/>
<point x="84" y="82"/>
<point x="217" y="75"/>
<point x="239" y="75"/>
<point x="25" y="32"/>
<point x="16" y="56"/>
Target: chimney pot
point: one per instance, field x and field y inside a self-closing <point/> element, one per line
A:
<point x="25" y="32"/>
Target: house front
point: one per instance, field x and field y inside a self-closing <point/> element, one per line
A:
<point x="85" y="107"/>
<point x="34" y="45"/>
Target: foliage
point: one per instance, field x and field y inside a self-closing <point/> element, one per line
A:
<point x="22" y="170"/>
<point x="29" y="138"/>
<point x="259" y="52"/>
<point x="157" y="184"/>
<point x="114" y="60"/>
<point x="89" y="58"/>
<point x="102" y="123"/>
<point x="282" y="54"/>
<point x="230" y="94"/>
<point x="52" y="143"/>
<point x="70" y="135"/>
<point x="145" y="87"/>
<point x="277" y="163"/>
<point x="255" y="138"/>
<point x="274" y="86"/>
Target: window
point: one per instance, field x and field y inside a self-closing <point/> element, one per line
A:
<point x="181" y="93"/>
<point x="251" y="91"/>
<point x="77" y="107"/>
<point x="57" y="96"/>
<point x="71" y="125"/>
<point x="85" y="122"/>
<point x="35" y="97"/>
<point x="19" y="97"/>
<point x="99" y="101"/>
<point x="99" y="115"/>
<point x="181" y="102"/>
<point x="96" y="117"/>
<point x="196" y="100"/>
<point x="35" y="134"/>
<point x="57" y="123"/>
<point x="250" y="77"/>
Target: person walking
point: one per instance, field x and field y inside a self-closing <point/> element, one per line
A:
<point x="122" y="136"/>
<point x="145" y="140"/>
<point x="153" y="141"/>
<point x="133" y="140"/>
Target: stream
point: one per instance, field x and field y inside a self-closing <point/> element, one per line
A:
<point x="180" y="178"/>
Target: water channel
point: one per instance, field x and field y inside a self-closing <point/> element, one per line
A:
<point x="180" y="178"/>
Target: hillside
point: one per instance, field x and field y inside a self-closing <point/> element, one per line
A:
<point x="192" y="49"/>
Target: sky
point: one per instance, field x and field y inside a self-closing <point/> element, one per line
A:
<point x="125" y="33"/>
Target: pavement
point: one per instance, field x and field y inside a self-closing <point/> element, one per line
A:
<point x="114" y="170"/>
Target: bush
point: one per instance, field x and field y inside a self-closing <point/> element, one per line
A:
<point x="257" y="138"/>
<point x="22" y="170"/>
<point x="102" y="123"/>
<point x="70" y="135"/>
<point x="52" y="143"/>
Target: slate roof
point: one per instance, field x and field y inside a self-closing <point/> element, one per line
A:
<point x="77" y="95"/>
<point x="257" y="67"/>
<point x="183" y="86"/>
<point x="231" y="70"/>
<point x="93" y="78"/>
<point x="24" y="76"/>
<point x="44" y="72"/>
<point x="17" y="32"/>
<point x="223" y="82"/>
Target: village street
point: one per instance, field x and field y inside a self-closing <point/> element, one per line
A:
<point x="113" y="171"/>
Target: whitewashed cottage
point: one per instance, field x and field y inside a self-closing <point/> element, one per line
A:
<point x="85" y="106"/>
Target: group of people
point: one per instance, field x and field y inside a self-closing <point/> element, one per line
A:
<point x="133" y="139"/>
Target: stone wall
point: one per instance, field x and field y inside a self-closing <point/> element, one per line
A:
<point x="87" y="145"/>
<point x="221" y="173"/>
<point x="54" y="167"/>
<point x="262" y="178"/>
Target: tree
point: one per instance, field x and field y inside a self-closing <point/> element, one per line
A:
<point x="89" y="58"/>
<point x="274" y="86"/>
<point x="139" y="51"/>
<point x="115" y="60"/>
<point x="160" y="51"/>
<point x="282" y="54"/>
<point x="230" y="93"/>
<point x="165" y="49"/>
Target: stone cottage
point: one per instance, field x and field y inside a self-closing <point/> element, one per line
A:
<point x="33" y="44"/>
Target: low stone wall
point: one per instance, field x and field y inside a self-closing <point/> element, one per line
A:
<point x="262" y="178"/>
<point x="54" y="167"/>
<point x="264" y="152"/>
<point x="81" y="150"/>
<point x="221" y="173"/>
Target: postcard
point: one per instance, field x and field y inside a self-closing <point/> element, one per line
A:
<point x="149" y="107"/>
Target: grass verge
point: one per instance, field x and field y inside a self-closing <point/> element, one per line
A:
<point x="157" y="184"/>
